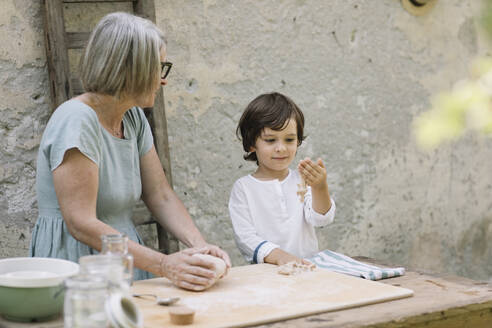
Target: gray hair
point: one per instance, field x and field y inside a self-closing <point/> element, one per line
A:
<point x="122" y="56"/>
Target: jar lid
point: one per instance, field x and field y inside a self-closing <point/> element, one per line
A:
<point x="123" y="312"/>
<point x="100" y="259"/>
<point x="119" y="237"/>
<point x="85" y="281"/>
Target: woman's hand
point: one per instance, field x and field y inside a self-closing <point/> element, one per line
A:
<point x="281" y="257"/>
<point x="190" y="272"/>
<point x="217" y="252"/>
<point x="313" y="173"/>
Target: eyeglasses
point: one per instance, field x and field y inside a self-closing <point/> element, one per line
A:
<point x="165" y="69"/>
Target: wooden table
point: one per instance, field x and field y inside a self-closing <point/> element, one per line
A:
<point x="439" y="301"/>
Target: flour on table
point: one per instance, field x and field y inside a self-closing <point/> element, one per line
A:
<point x="249" y="295"/>
<point x="293" y="268"/>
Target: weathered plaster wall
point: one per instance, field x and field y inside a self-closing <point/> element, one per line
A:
<point x="360" y="70"/>
<point x="24" y="112"/>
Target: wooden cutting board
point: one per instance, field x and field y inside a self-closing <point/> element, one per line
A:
<point x="257" y="294"/>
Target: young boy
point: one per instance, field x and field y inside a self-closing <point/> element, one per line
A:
<point x="272" y="222"/>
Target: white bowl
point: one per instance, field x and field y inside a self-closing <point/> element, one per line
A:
<point x="35" y="271"/>
<point x="31" y="288"/>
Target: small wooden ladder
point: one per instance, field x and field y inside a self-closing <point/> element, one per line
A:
<point x="65" y="84"/>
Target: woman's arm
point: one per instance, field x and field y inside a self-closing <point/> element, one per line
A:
<point x="168" y="209"/>
<point x="76" y="184"/>
<point x="164" y="204"/>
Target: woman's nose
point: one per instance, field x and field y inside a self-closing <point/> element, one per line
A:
<point x="163" y="82"/>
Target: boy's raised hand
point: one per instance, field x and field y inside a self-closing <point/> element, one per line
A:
<point x="313" y="173"/>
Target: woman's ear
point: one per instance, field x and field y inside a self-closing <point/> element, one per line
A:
<point x="252" y="149"/>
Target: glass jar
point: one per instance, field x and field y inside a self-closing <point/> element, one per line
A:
<point x="84" y="303"/>
<point x="117" y="244"/>
<point x="109" y="266"/>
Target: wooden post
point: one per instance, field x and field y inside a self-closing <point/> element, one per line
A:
<point x="56" y="50"/>
<point x="157" y="119"/>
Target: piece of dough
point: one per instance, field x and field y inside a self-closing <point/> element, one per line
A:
<point x="293" y="268"/>
<point x="301" y="190"/>
<point x="219" y="265"/>
<point x="181" y="315"/>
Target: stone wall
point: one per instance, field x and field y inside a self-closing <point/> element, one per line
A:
<point x="24" y="91"/>
<point x="360" y="70"/>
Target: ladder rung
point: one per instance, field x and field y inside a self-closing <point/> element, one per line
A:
<point x="82" y="1"/>
<point x="146" y="221"/>
<point x="76" y="86"/>
<point x="77" y="40"/>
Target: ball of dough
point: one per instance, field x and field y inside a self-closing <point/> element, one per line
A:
<point x="219" y="264"/>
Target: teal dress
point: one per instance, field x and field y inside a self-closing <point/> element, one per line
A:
<point x="75" y="125"/>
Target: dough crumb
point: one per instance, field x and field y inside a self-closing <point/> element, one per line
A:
<point x="294" y="268"/>
<point x="301" y="190"/>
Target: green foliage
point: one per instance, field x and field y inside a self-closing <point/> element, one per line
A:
<point x="486" y="19"/>
<point x="467" y="107"/>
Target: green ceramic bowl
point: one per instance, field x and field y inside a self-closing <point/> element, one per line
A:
<point x="31" y="288"/>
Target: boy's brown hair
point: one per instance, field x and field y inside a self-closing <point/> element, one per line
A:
<point x="269" y="110"/>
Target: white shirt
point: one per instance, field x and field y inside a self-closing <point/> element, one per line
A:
<point x="269" y="214"/>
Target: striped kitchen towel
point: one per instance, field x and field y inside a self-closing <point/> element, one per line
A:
<point x="343" y="264"/>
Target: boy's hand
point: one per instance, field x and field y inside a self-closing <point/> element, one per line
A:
<point x="313" y="173"/>
<point x="281" y="257"/>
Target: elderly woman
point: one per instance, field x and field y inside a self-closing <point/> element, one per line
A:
<point x="97" y="159"/>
